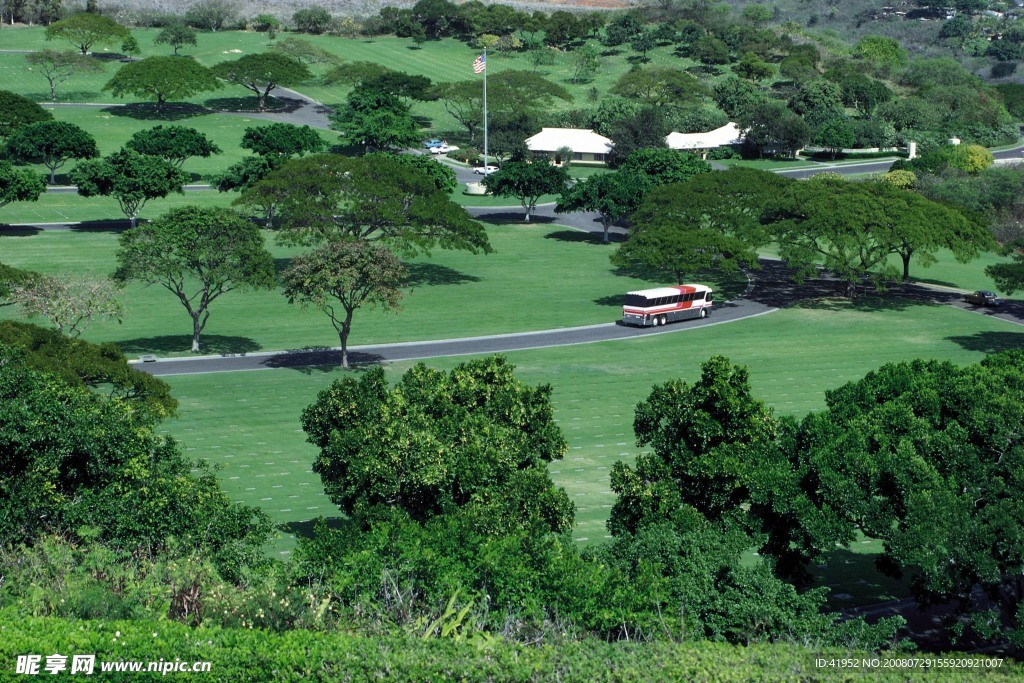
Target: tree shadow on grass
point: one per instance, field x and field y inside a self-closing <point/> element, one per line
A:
<point x="990" y="342"/>
<point x="176" y="343"/>
<point x="144" y="111"/>
<point x="320" y="359"/>
<point x="306" y="527"/>
<point x="281" y="265"/>
<point x="498" y="217"/>
<point x="578" y="237"/>
<point x="613" y="300"/>
<point x="431" y="274"/>
<point x="19" y="231"/>
<point x="114" y="225"/>
<point x="853" y="579"/>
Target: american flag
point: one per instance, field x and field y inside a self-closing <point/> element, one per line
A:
<point x="480" y="64"/>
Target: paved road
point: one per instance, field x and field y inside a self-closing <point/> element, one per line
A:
<point x="770" y="290"/>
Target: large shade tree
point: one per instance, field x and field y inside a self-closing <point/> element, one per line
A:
<point x="130" y="178"/>
<point x="373" y="197"/>
<point x="84" y="30"/>
<point x="198" y="255"/>
<point x="162" y="79"/>
<point x="438" y="442"/>
<point x="612" y="195"/>
<point x="101" y="367"/>
<point x="527" y="183"/>
<point x="58" y="66"/>
<point x="342" y="276"/>
<point x="852" y="228"/>
<point x="926" y="456"/>
<point x="52" y="144"/>
<point x="262" y="73"/>
<point x="175" y="144"/>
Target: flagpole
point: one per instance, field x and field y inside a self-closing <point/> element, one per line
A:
<point x="485" y="110"/>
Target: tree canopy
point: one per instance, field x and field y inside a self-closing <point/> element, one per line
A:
<point x="341" y="276"/>
<point x="130" y="178"/>
<point x="376" y="119"/>
<point x="526" y="182"/>
<point x="439" y="441"/>
<point x="175" y="144"/>
<point x="198" y="255"/>
<point x="659" y="86"/>
<point x="162" y="79"/>
<point x="17" y="111"/>
<point x="920" y="454"/>
<point x="372" y="197"/>
<point x="613" y="195"/>
<point x="19" y="185"/>
<point x="84" y="30"/>
<point x="72" y="461"/>
<point x="177" y="35"/>
<point x="101" y="367"/>
<point x="663" y="166"/>
<point x="281" y="141"/>
<point x="52" y="144"/>
<point x="852" y="228"/>
<point x="264" y="72"/>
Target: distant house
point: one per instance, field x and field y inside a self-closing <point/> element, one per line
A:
<point x="586" y="145"/>
<point x="727" y="135"/>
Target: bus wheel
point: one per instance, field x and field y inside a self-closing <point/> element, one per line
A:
<point x="703" y="312"/>
<point x="664" y="319"/>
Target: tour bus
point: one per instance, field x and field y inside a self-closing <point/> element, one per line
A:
<point x="650" y="307"/>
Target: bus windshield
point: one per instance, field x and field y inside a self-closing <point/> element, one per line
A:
<point x="636" y="300"/>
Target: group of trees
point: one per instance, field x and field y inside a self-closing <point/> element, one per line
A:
<point x="716" y="222"/>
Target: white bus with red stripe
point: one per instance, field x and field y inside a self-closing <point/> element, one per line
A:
<point x="649" y="307"/>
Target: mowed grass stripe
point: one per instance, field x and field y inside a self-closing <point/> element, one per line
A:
<point x="793" y="356"/>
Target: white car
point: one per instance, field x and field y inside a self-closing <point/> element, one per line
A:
<point x="485" y="170"/>
<point x="443" y="149"/>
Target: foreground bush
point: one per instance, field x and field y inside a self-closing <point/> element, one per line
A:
<point x="244" y="655"/>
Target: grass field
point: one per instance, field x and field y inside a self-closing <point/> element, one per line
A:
<point x="70" y="207"/>
<point x="539" y="277"/>
<point x="249" y="422"/>
<point x="441" y="61"/>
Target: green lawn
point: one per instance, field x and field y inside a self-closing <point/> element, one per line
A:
<point x="70" y="207"/>
<point x="539" y="277"/>
<point x="249" y="421"/>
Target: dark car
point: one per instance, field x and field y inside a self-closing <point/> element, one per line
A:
<point x="983" y="298"/>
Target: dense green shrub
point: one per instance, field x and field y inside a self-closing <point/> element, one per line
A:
<point x="240" y="656"/>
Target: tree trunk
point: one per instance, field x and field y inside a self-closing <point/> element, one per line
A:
<point x="346" y="327"/>
<point x="197" y="329"/>
<point x="607" y="224"/>
<point x="528" y="207"/>
<point x="53" y="180"/>
<point x="906" y="265"/>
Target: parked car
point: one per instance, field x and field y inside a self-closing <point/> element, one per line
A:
<point x="983" y="297"/>
<point x="485" y="170"/>
<point x="430" y="144"/>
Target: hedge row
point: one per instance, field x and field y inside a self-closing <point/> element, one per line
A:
<point x="251" y="655"/>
